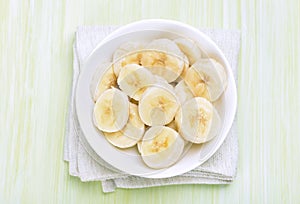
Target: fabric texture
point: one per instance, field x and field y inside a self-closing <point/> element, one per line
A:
<point x="88" y="166"/>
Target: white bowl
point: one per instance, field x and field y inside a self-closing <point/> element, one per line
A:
<point x="129" y="160"/>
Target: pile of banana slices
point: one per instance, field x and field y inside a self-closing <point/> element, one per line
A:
<point x="158" y="96"/>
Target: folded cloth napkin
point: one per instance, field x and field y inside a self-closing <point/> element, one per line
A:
<point x="88" y="166"/>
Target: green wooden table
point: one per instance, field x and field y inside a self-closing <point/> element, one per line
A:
<point x="35" y="79"/>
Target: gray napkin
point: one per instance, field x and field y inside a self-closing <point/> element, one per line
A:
<point x="88" y="166"/>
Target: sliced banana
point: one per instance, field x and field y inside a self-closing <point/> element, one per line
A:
<point x="183" y="92"/>
<point x="158" y="106"/>
<point x="165" y="45"/>
<point x="133" y="58"/>
<point x="162" y="57"/>
<point x="131" y="133"/>
<point x="159" y="82"/>
<point x="163" y="64"/>
<point x="161" y="147"/>
<point x="128" y="47"/>
<point x="111" y="110"/>
<point x="184" y="70"/>
<point x="173" y="125"/>
<point x="196" y="83"/>
<point x="197" y="120"/>
<point x="189" y="48"/>
<point x="127" y="54"/>
<point x="103" y="79"/>
<point x="137" y="96"/>
<point x="134" y="79"/>
<point x="206" y="78"/>
<point x="163" y="83"/>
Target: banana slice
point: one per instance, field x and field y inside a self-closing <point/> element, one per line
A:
<point x="165" y="45"/>
<point x="165" y="59"/>
<point x="158" y="106"/>
<point x="161" y="147"/>
<point x="173" y="125"/>
<point x="134" y="79"/>
<point x="103" y="79"/>
<point x="159" y="63"/>
<point x="198" y="121"/>
<point x="196" y="84"/>
<point x="131" y="133"/>
<point x="119" y="58"/>
<point x="159" y="82"/>
<point x="183" y="92"/>
<point x="165" y="65"/>
<point x="189" y="48"/>
<point x="111" y="110"/>
<point x="206" y="78"/>
<point x="128" y="47"/>
<point x="163" y="83"/>
<point x="184" y="70"/>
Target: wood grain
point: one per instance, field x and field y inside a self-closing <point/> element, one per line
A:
<point x="35" y="79"/>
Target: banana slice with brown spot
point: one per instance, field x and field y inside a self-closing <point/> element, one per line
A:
<point x="133" y="58"/>
<point x="206" y="78"/>
<point x="166" y="59"/>
<point x="127" y="53"/>
<point x="184" y="70"/>
<point x="131" y="133"/>
<point x="166" y="46"/>
<point x="197" y="120"/>
<point x="163" y="64"/>
<point x="158" y="106"/>
<point x="183" y="92"/>
<point x="161" y="56"/>
<point x="189" y="48"/>
<point x="111" y="110"/>
<point x="161" y="147"/>
<point x="134" y="79"/>
<point x="103" y="79"/>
